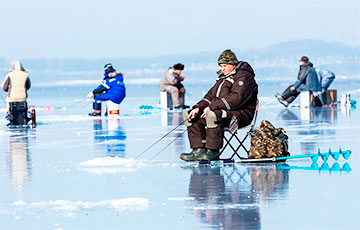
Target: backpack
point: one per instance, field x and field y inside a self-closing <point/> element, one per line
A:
<point x="268" y="141"/>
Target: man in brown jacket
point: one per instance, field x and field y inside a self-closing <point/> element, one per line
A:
<point x="234" y="94"/>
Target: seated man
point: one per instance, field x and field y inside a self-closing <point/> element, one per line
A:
<point x="17" y="83"/>
<point x="307" y="80"/>
<point x="171" y="83"/>
<point x="234" y="94"/>
<point x="112" y="88"/>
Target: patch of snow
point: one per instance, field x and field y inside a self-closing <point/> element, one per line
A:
<point x="181" y="198"/>
<point x="67" y="208"/>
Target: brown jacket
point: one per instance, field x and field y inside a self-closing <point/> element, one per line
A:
<point x="236" y="94"/>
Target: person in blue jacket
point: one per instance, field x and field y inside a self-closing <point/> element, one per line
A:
<point x="326" y="77"/>
<point x="307" y="80"/>
<point x="112" y="88"/>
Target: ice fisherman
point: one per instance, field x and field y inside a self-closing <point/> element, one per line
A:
<point x="234" y="94"/>
<point x="307" y="80"/>
<point x="325" y="77"/>
<point x="171" y="83"/>
<point x="112" y="88"/>
<point x="16" y="83"/>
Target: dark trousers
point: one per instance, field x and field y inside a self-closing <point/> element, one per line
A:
<point x="289" y="95"/>
<point x="211" y="138"/>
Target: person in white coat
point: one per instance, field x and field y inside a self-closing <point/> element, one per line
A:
<point x="16" y="84"/>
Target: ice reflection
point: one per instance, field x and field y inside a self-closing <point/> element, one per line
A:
<point x="174" y="118"/>
<point x="171" y="117"/>
<point x="228" y="197"/>
<point x="109" y="135"/>
<point x="19" y="160"/>
<point x="313" y="123"/>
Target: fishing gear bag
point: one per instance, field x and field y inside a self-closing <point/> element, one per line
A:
<point x="268" y="141"/>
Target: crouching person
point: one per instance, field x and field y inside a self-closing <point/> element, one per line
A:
<point x="112" y="88"/>
<point x="234" y="94"/>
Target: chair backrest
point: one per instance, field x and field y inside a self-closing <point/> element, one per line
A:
<point x="233" y="127"/>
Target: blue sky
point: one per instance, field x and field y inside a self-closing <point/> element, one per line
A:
<point x="115" y="28"/>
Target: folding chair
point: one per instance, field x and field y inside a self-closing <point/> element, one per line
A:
<point x="233" y="134"/>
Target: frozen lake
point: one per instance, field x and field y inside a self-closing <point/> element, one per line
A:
<point x="77" y="172"/>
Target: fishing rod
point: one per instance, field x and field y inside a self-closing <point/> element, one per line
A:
<point x="76" y="103"/>
<point x="169" y="144"/>
<point x="161" y="138"/>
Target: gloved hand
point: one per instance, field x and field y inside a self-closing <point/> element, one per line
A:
<point x="90" y="95"/>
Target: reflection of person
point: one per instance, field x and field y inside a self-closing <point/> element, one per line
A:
<point x="19" y="159"/>
<point x="318" y="116"/>
<point x="112" y="88"/>
<point x="112" y="137"/>
<point x="16" y="83"/>
<point x="217" y="200"/>
<point x="234" y="94"/>
<point x="307" y="80"/>
<point x="171" y="83"/>
<point x="219" y="193"/>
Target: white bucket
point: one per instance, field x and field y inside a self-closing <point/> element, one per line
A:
<point x="113" y="109"/>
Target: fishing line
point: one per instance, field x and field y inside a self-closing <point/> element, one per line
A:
<point x="82" y="100"/>
<point x="161" y="138"/>
<point x="168" y="144"/>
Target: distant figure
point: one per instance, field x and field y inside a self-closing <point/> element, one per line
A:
<point x="112" y="88"/>
<point x="16" y="83"/>
<point x="233" y="95"/>
<point x="325" y="77"/>
<point x="307" y="80"/>
<point x="171" y="83"/>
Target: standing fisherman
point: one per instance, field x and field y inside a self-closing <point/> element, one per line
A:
<point x="112" y="88"/>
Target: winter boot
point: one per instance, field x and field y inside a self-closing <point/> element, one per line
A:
<point x="95" y="113"/>
<point x="282" y="100"/>
<point x="211" y="155"/>
<point x="195" y="155"/>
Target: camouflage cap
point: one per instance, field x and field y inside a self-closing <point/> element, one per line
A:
<point x="228" y="57"/>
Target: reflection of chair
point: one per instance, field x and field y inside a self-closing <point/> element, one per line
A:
<point x="233" y="134"/>
<point x="233" y="176"/>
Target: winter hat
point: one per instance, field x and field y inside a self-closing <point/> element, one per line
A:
<point x="228" y="57"/>
<point x="179" y="66"/>
<point x="18" y="66"/>
<point x="304" y="59"/>
<point x="108" y="68"/>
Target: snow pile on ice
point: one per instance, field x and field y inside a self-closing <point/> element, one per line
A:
<point x="67" y="207"/>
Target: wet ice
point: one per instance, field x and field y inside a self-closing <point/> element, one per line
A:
<point x="74" y="171"/>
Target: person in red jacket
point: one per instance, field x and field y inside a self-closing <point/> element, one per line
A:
<point x="234" y="94"/>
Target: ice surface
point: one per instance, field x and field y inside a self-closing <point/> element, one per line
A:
<point x="78" y="172"/>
